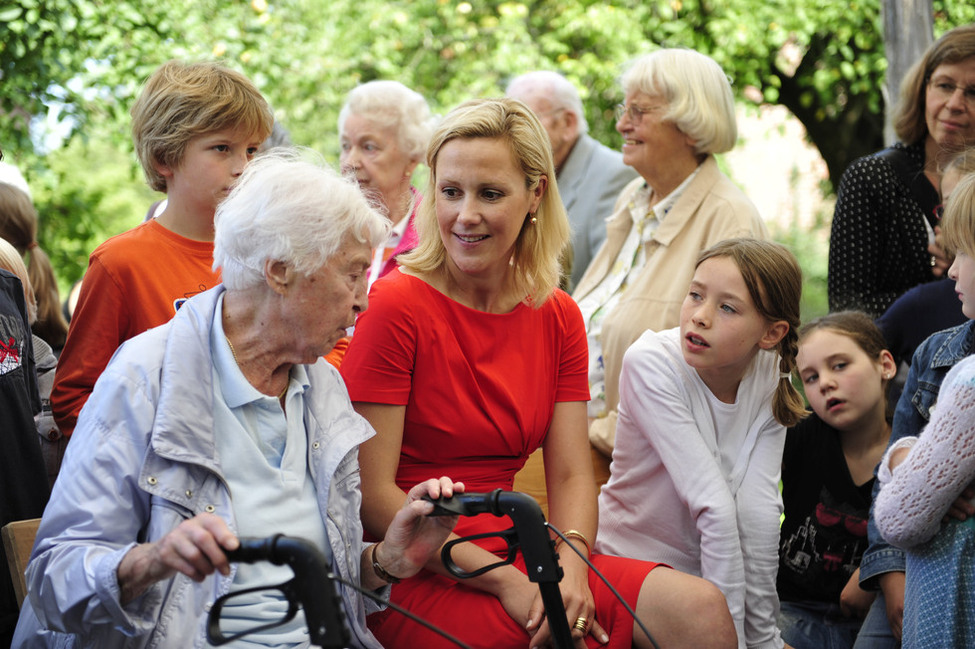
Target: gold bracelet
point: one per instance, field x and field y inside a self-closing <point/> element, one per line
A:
<point x="579" y="536"/>
<point x="379" y="570"/>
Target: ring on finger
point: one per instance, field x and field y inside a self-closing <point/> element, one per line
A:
<point x="582" y="624"/>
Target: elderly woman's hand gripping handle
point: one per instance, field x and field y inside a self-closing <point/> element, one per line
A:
<point x="195" y="548"/>
<point x="413" y="537"/>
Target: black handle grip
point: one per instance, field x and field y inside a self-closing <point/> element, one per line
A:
<point x="530" y="534"/>
<point x="317" y="594"/>
<point x="464" y="504"/>
<point x="253" y="550"/>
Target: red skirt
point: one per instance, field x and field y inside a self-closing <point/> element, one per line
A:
<point x="478" y="619"/>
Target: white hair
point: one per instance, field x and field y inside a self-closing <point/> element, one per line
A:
<point x="392" y="104"/>
<point x="697" y="91"/>
<point x="553" y="86"/>
<point x="289" y="206"/>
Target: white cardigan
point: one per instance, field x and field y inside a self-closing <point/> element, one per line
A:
<point x="916" y="496"/>
<point x="694" y="481"/>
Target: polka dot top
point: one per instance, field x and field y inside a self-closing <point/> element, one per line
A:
<point x="878" y="242"/>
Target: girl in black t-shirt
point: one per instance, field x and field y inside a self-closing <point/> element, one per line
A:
<point x="827" y="479"/>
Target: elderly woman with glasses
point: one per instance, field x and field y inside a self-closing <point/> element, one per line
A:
<point x="884" y="237"/>
<point x="223" y="423"/>
<point x="679" y="112"/>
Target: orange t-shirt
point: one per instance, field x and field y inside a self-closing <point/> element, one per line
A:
<point x="135" y="281"/>
<point x="338" y="352"/>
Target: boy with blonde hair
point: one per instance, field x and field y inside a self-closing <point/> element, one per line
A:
<point x="195" y="127"/>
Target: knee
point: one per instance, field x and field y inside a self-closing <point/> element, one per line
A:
<point x="687" y="611"/>
<point x="709" y="612"/>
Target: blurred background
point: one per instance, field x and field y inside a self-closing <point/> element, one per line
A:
<point x="809" y="77"/>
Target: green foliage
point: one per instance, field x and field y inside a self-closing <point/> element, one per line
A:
<point x="79" y="211"/>
<point x="87" y="59"/>
<point x="810" y="245"/>
<point x="83" y="56"/>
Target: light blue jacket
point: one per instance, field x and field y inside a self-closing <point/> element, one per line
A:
<point x="143" y="459"/>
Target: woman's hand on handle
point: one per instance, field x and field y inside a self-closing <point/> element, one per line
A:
<point x="413" y="537"/>
<point x="572" y="506"/>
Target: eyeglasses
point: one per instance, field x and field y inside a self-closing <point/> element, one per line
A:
<point x="635" y="113"/>
<point x="944" y="89"/>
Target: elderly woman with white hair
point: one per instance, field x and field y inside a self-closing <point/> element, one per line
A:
<point x="226" y="423"/>
<point x="678" y="113"/>
<point x="384" y="128"/>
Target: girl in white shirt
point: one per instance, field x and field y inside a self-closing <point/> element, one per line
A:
<point x="703" y="411"/>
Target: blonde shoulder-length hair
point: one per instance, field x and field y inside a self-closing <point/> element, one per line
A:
<point x="535" y="268"/>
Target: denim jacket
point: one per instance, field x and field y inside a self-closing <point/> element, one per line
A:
<point x="143" y="459"/>
<point x="932" y="362"/>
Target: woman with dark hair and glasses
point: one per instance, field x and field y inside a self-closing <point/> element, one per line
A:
<point x="883" y="238"/>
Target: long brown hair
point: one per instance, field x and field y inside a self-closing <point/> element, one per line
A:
<point x="774" y="280"/>
<point x="18" y="225"/>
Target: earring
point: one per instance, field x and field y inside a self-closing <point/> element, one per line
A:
<point x="533" y="219"/>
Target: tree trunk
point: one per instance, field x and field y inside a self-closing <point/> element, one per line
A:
<point x="842" y="130"/>
<point x="908" y="32"/>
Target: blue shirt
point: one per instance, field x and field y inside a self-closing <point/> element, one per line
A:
<point x="264" y="450"/>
